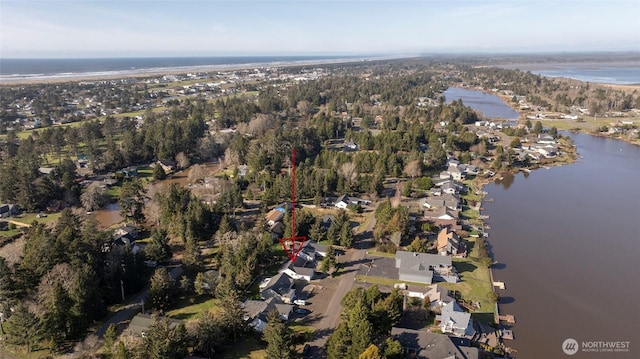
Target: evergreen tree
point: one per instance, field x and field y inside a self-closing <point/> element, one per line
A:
<point x="206" y="334"/>
<point x="360" y="330"/>
<point x="329" y="262"/>
<point x="23" y="328"/>
<point x="232" y="316"/>
<point x="162" y="289"/>
<point x="278" y="338"/>
<point x="110" y="336"/>
<point x="392" y="349"/>
<point x="165" y="341"/>
<point x="317" y="232"/>
<point x="158" y="248"/>
<point x="346" y="235"/>
<point x="339" y="342"/>
<point x="159" y="173"/>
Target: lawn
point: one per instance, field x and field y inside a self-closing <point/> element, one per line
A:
<point x="248" y="348"/>
<point x="475" y="283"/>
<point x="189" y="308"/>
<point x="381" y="254"/>
<point x="28" y="218"/>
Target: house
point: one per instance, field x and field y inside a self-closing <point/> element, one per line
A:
<point x="281" y="287"/>
<point x="456" y="173"/>
<point x="303" y="268"/>
<point x="451" y="187"/>
<point x="140" y="324"/>
<point x="454" y="320"/>
<point x="441" y="213"/>
<point x="127" y="229"/>
<point x="130" y="172"/>
<point x="274" y="216"/>
<point x="424" y="268"/>
<point x="46" y="170"/>
<point x="257" y="311"/>
<point x="438" y="296"/>
<point x="343" y="201"/>
<point x="546" y="139"/>
<point x="350" y="146"/>
<point x="447" y="200"/>
<point x="125" y="235"/>
<point x="427" y="345"/>
<point x="450" y="244"/>
<point x="9" y="210"/>
<point x="167" y="165"/>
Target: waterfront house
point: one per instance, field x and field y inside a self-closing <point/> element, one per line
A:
<point x="424" y="268"/>
<point x="450" y="244"/>
<point x="454" y="320"/>
<point x="426" y="345"/>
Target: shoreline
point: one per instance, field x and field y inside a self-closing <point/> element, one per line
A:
<point x="177" y="70"/>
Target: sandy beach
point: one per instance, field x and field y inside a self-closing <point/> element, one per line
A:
<point x="154" y="72"/>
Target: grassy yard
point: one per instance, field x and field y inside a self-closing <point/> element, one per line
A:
<point x="381" y="254"/>
<point x="249" y="348"/>
<point x="28" y="218"/>
<point x="189" y="308"/>
<point x="475" y="284"/>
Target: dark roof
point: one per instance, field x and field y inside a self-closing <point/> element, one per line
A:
<point x="344" y="198"/>
<point x="432" y="345"/>
<point x="140" y="323"/>
<point x="279" y="284"/>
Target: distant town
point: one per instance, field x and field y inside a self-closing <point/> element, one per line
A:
<point x="141" y="217"/>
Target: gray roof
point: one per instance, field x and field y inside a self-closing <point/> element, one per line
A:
<point x="460" y="319"/>
<point x="279" y="285"/>
<point x="432" y="345"/>
<point x="140" y="323"/>
<point x="416" y="261"/>
<point x="254" y="308"/>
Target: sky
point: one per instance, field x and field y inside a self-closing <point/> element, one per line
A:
<point x="145" y="28"/>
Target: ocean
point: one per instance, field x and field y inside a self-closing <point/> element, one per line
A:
<point x="43" y="69"/>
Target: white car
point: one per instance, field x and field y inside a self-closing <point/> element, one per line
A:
<point x="299" y="302"/>
<point x="264" y="283"/>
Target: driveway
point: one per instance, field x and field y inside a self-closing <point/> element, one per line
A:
<point x="331" y="316"/>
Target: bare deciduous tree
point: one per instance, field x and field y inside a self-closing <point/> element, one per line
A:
<point x="413" y="169"/>
<point x="348" y="170"/>
<point x="182" y="160"/>
<point x="93" y="198"/>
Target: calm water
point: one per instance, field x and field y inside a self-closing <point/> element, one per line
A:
<point x="491" y="106"/>
<point x="568" y="242"/>
<point x="607" y="75"/>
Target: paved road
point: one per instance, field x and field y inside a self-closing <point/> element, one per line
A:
<point x="331" y="317"/>
<point x="132" y="308"/>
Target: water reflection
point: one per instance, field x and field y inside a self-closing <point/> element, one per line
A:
<point x="506" y="180"/>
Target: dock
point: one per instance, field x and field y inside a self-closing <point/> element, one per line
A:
<point x="510" y="319"/>
<point x="500" y="285"/>
<point x="506" y="334"/>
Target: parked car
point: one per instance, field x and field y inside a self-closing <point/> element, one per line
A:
<point x="302" y="311"/>
<point x="299" y="302"/>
